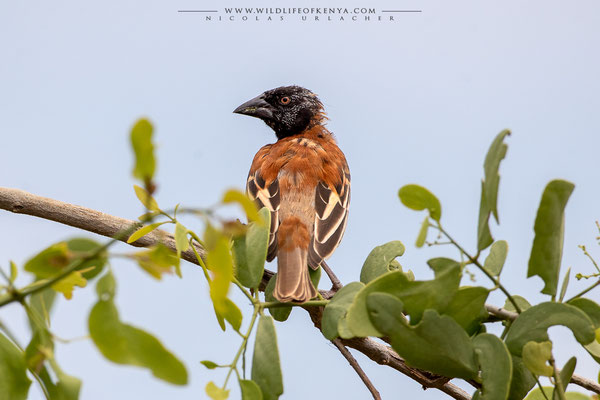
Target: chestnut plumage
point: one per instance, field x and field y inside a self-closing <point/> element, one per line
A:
<point x="304" y="180"/>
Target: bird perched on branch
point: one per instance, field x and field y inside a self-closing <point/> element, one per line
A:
<point x="303" y="179"/>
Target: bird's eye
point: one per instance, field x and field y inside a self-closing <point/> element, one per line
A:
<point x="285" y="100"/>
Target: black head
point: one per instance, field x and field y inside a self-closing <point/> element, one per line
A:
<point x="288" y="110"/>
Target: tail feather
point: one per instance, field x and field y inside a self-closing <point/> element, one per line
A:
<point x="293" y="279"/>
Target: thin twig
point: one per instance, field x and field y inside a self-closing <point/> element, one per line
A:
<point x="384" y="355"/>
<point x="582" y="247"/>
<point x="584" y="291"/>
<point x="357" y="368"/>
<point x="482" y="268"/>
<point x="335" y="282"/>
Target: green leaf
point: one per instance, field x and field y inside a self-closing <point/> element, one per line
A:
<point x="436" y="344"/>
<point x="468" y="308"/>
<point x="215" y="392"/>
<point x="521" y="302"/>
<point x="418" y="198"/>
<point x="249" y="207"/>
<point x="589" y="307"/>
<point x="39" y="353"/>
<point x="240" y="261"/>
<point x="536" y="357"/>
<point x="157" y="260"/>
<point x="536" y="394"/>
<point x="40" y="348"/>
<point x="522" y="379"/>
<point x="496" y="366"/>
<point x="594" y="348"/>
<point x="489" y="189"/>
<point x="82" y="247"/>
<point x="68" y="283"/>
<point x="266" y="371"/>
<point x="279" y="313"/>
<point x="40" y="305"/>
<point x="209" y="364"/>
<point x="491" y="181"/>
<point x="565" y="284"/>
<point x="220" y="262"/>
<point x="143" y="148"/>
<point x="495" y="260"/>
<point x="546" y="252"/>
<point x="67" y="387"/>
<point x="181" y="239"/>
<point x="565" y="376"/>
<point x="14" y="271"/>
<point x="49" y="261"/>
<point x="53" y="259"/>
<point x="315" y="276"/>
<point x="250" y="390"/>
<point x="417" y="296"/>
<point x="484" y="236"/>
<point x="592" y="310"/>
<point x="14" y="383"/>
<point x="441" y="264"/>
<point x="379" y="260"/>
<point x="146" y="198"/>
<point x="144" y="230"/>
<point x="533" y="324"/>
<point x="124" y="344"/>
<point x="232" y="314"/>
<point x="422" y="236"/>
<point x="106" y="287"/>
<point x="250" y="251"/>
<point x="337" y="307"/>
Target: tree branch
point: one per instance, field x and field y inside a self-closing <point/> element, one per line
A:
<point x="21" y="202"/>
<point x="385" y="355"/>
<point x="348" y="356"/>
<point x="501" y="312"/>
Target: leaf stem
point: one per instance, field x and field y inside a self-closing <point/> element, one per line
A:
<point x="557" y="381"/>
<point x="482" y="268"/>
<point x="582" y="247"/>
<point x="18" y="295"/>
<point x="537" y="380"/>
<point x="241" y="350"/>
<point x="6" y="278"/>
<point x="584" y="291"/>
<point x="243" y="289"/>
<point x="200" y="260"/>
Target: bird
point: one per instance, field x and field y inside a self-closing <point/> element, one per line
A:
<point x="303" y="179"/>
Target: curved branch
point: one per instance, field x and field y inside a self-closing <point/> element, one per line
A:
<point x="21" y="202"/>
<point x="348" y="356"/>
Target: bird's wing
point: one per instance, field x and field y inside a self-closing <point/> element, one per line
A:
<point x="266" y="195"/>
<point x="331" y="206"/>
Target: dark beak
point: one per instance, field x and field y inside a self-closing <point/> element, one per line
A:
<point x="257" y="107"/>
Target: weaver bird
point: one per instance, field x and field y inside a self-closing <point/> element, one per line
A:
<point x="303" y="179"/>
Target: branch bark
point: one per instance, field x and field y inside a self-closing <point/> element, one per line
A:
<point x="21" y="202"/>
<point x="354" y="364"/>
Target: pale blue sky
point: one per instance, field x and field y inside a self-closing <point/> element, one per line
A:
<point x="418" y="100"/>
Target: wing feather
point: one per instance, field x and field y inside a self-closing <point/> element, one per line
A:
<point x="331" y="206"/>
<point x="266" y="196"/>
